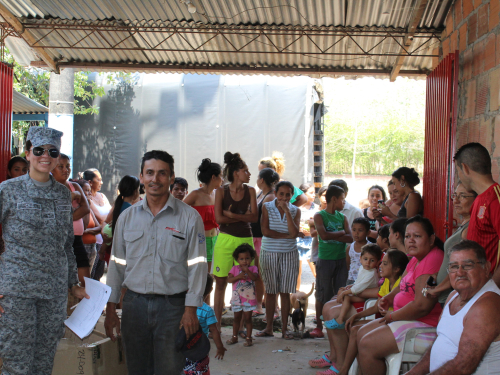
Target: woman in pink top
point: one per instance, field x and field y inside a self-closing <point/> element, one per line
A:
<point x="412" y="309"/>
<point x="80" y="208"/>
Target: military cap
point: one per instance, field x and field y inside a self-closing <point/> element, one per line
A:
<point x="40" y="136"/>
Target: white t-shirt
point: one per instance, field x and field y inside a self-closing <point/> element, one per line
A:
<point x="351" y="212"/>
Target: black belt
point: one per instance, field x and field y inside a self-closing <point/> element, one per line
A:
<point x="177" y="295"/>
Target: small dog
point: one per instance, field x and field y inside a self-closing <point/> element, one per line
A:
<point x="299" y="316"/>
<point x="301" y="297"/>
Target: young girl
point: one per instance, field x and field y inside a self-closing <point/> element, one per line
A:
<point x="367" y="278"/>
<point x="393" y="265"/>
<point x="243" y="301"/>
<point x="383" y="238"/>
<point x="360" y="229"/>
<point x="375" y="194"/>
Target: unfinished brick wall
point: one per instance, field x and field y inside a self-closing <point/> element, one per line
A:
<point x="473" y="28"/>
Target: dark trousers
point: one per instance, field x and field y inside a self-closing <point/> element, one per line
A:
<point x="150" y="324"/>
<point x="331" y="275"/>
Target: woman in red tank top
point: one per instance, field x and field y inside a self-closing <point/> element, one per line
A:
<point x="202" y="200"/>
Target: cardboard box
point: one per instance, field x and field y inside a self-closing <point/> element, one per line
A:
<point x="95" y="355"/>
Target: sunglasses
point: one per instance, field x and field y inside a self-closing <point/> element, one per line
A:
<point x="39" y="151"/>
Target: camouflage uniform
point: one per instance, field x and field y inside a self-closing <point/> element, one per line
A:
<point x="36" y="270"/>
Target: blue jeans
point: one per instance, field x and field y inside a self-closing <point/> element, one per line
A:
<point x="150" y="324"/>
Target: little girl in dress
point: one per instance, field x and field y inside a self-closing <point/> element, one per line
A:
<point x="243" y="301"/>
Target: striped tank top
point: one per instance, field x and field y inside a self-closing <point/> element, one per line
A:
<point x="279" y="224"/>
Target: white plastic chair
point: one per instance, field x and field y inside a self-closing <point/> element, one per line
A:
<point x="410" y="354"/>
<point x="370" y="302"/>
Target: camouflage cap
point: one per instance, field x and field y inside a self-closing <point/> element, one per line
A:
<point x="40" y="136"/>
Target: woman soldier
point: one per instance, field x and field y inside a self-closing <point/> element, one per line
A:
<point x="38" y="265"/>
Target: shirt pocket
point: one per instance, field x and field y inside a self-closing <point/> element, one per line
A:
<point x="174" y="247"/>
<point x="31" y="216"/>
<point x="134" y="247"/>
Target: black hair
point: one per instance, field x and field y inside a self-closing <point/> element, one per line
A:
<point x="378" y="187"/>
<point x="333" y="191"/>
<point x="363" y="221"/>
<point x="82" y="183"/>
<point x="244" y="248"/>
<point x="341" y="183"/>
<point x="284" y="183"/>
<point x="384" y="231"/>
<point x="428" y="228"/>
<point x="15" y="160"/>
<point x="64" y="156"/>
<point x="209" y="285"/>
<point x="269" y="176"/>
<point x="475" y="156"/>
<point x="410" y="175"/>
<point x="179" y="181"/>
<point x="398" y="259"/>
<point x="141" y="189"/>
<point x="305" y="187"/>
<point x="322" y="190"/>
<point x="206" y="170"/>
<point x="390" y="183"/>
<point x="127" y="187"/>
<point x="28" y="145"/>
<point x="89" y="174"/>
<point x="233" y="163"/>
<point x="399" y="226"/>
<point x="158" y="155"/>
<point x="470" y="245"/>
<point x="372" y="249"/>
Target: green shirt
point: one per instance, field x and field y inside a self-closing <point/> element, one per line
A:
<point x="331" y="249"/>
<point x="296" y="193"/>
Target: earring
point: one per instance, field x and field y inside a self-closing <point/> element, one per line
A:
<point x="403" y="185"/>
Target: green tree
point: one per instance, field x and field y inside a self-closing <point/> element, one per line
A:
<point x="374" y="126"/>
<point x="34" y="83"/>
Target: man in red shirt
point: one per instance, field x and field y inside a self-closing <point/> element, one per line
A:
<point x="473" y="164"/>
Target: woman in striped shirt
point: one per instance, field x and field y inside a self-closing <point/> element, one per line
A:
<point x="279" y="258"/>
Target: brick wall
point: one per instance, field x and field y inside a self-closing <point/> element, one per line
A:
<point x="473" y="28"/>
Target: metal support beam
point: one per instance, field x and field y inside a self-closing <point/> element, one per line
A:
<point x="218" y="69"/>
<point x="417" y="15"/>
<point x="28" y="37"/>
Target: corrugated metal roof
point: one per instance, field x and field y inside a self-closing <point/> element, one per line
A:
<point x="23" y="105"/>
<point x="393" y="14"/>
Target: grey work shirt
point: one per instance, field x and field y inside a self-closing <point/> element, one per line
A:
<point x="163" y="254"/>
<point x="37" y="228"/>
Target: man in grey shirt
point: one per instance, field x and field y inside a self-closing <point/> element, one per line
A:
<point x="159" y="255"/>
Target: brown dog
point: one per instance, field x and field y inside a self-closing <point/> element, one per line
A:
<point x="302" y="297"/>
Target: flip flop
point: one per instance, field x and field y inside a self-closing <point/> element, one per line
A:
<point x="257" y="313"/>
<point x="242" y="334"/>
<point x="263" y="334"/>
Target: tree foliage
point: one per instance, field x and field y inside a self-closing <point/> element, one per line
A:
<point x="34" y="83"/>
<point x="378" y="124"/>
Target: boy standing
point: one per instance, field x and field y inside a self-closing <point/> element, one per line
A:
<point x="333" y="234"/>
<point x="208" y="322"/>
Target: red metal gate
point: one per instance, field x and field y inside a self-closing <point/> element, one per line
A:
<point x="5" y="118"/>
<point x="440" y="129"/>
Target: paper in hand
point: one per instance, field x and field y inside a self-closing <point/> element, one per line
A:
<point x="88" y="311"/>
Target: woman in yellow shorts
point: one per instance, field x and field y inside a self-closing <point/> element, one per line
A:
<point x="235" y="209"/>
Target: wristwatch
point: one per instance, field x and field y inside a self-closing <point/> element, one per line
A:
<point x="75" y="284"/>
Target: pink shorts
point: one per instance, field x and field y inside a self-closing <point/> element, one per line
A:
<point x="257" y="244"/>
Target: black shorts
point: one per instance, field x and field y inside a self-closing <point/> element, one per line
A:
<point x="82" y="259"/>
<point x="331" y="275"/>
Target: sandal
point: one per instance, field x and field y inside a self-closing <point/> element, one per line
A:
<point x="248" y="342"/>
<point x="263" y="334"/>
<point x="257" y="313"/>
<point x="331" y="371"/>
<point x="320" y="363"/>
<point x="233" y="340"/>
<point x="242" y="334"/>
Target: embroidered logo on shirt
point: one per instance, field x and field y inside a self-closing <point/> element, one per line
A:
<point x="29" y="206"/>
<point x="201" y="238"/>
<point x="217" y="268"/>
<point x="482" y="210"/>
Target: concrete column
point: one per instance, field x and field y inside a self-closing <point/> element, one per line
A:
<point x="61" y="102"/>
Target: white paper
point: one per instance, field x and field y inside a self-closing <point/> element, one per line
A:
<point x="87" y="312"/>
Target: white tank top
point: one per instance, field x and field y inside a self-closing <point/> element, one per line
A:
<point x="450" y="330"/>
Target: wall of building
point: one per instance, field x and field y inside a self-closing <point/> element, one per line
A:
<point x="473" y="28"/>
